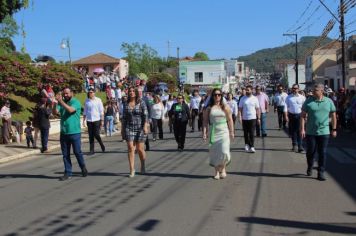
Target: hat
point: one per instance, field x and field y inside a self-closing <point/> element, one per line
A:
<point x="91" y="89"/>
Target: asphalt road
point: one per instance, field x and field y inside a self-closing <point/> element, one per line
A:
<point x="266" y="193"/>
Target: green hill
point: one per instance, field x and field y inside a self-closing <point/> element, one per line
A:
<point x="263" y="60"/>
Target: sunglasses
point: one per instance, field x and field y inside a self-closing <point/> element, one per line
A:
<point x="217" y="94"/>
<point x="294" y="88"/>
<point x="179" y="98"/>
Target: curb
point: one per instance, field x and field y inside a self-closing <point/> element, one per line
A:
<point x="23" y="155"/>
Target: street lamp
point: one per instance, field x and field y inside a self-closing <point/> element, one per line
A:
<point x="296" y="55"/>
<point x="66" y="44"/>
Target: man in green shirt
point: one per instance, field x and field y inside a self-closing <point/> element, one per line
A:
<point x="69" y="109"/>
<point x="314" y="126"/>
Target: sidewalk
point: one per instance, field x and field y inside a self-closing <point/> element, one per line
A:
<point x="15" y="151"/>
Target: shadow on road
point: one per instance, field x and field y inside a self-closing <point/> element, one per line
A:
<point x="326" y="227"/>
<point x="26" y="176"/>
<point x="257" y="174"/>
<point x="178" y="175"/>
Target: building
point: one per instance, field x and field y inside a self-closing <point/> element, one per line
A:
<point x="351" y="64"/>
<point x="101" y="60"/>
<point x="202" y="73"/>
<point x="286" y="68"/>
<point x="320" y="59"/>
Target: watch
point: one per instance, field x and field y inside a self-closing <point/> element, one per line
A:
<point x="334" y="129"/>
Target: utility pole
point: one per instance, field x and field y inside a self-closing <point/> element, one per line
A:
<point x="296" y="55"/>
<point x="342" y="34"/>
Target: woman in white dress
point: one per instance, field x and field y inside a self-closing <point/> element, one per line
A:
<point x="218" y="117"/>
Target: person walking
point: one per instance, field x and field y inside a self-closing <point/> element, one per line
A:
<point x="221" y="130"/>
<point x="36" y="124"/>
<point x="233" y="106"/>
<point x="279" y="104"/>
<point x="110" y="113"/>
<point x="169" y="105"/>
<point x="5" y="115"/>
<point x="69" y="109"/>
<point x="157" y="114"/>
<point x="42" y="114"/>
<point x="194" y="107"/>
<point x="249" y="113"/>
<point x="180" y="115"/>
<point x="263" y="101"/>
<point x="135" y="125"/>
<point x="201" y="112"/>
<point x="294" y="103"/>
<point x="93" y="117"/>
<point x="314" y="127"/>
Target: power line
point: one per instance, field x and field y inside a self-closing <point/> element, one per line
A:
<point x="301" y="16"/>
<point x="308" y="19"/>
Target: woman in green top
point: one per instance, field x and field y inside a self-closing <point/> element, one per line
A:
<point x="221" y="131"/>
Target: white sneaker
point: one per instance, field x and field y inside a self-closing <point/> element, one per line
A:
<point x="252" y="150"/>
<point x="247" y="148"/>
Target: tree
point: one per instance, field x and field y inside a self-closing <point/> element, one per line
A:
<point x="141" y="58"/>
<point x="9" y="7"/>
<point x="201" y="56"/>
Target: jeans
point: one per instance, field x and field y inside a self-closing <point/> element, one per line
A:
<point x="29" y="140"/>
<point x="249" y="127"/>
<point x="68" y="140"/>
<point x="294" y="125"/>
<point x="262" y="127"/>
<point x="281" y="118"/>
<point x="157" y="124"/>
<point x="44" y="138"/>
<point x="110" y="120"/>
<point x="317" y="145"/>
<point x="180" y="130"/>
<point x="94" y="132"/>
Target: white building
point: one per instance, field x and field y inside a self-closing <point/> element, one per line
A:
<point x="202" y="73"/>
<point x="290" y="73"/>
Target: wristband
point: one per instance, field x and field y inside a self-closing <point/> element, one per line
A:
<point x="334" y="130"/>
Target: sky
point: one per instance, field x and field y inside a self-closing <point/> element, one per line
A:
<point x="221" y="28"/>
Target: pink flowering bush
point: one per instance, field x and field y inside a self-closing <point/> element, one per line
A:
<point x="19" y="77"/>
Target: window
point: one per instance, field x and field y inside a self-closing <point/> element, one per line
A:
<point x="240" y="68"/>
<point x="198" y="77"/>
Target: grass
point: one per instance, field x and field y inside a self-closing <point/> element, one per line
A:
<point x="22" y="108"/>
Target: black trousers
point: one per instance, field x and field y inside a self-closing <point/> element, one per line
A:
<point x="94" y="132"/>
<point x="249" y="127"/>
<point x="281" y="119"/>
<point x="195" y="113"/>
<point x="180" y="130"/>
<point x="294" y="126"/>
<point x="200" y="121"/>
<point x="157" y="124"/>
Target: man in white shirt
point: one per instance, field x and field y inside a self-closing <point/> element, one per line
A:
<point x="94" y="115"/>
<point x="249" y="114"/>
<point x="263" y="102"/>
<point x="279" y="105"/>
<point x="194" y="107"/>
<point x="294" y="103"/>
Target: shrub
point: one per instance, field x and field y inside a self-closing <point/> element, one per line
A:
<point x="19" y="77"/>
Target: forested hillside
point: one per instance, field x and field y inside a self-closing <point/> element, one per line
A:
<point x="263" y="60"/>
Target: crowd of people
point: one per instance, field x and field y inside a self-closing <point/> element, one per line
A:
<point x="311" y="119"/>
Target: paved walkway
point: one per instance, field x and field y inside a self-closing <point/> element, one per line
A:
<point x="15" y="151"/>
